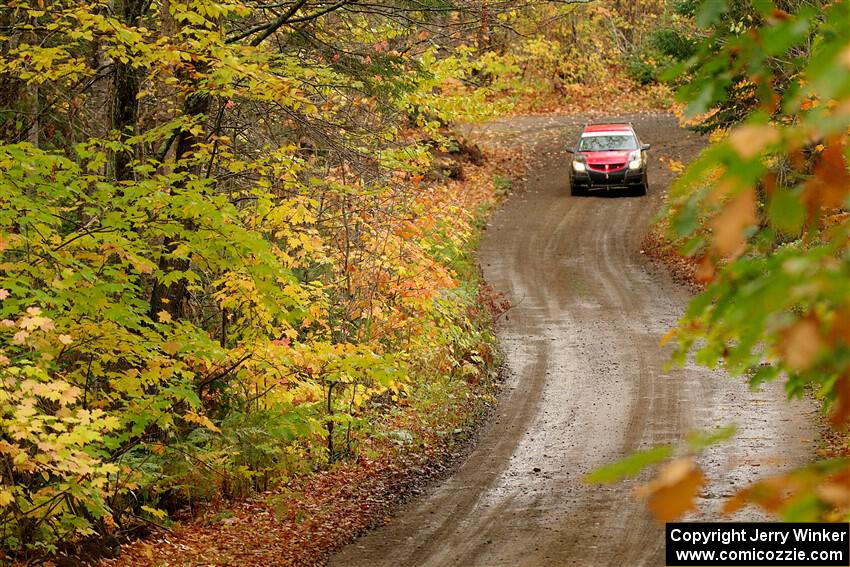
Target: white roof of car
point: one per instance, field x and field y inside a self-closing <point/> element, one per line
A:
<point x="607" y="133"/>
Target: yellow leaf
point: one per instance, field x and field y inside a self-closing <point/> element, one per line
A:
<point x="203" y="420"/>
<point x="164" y="316"/>
<point x="155" y="512"/>
<point x="69" y="396"/>
<point x="6" y="497"/>
<point x="32" y="323"/>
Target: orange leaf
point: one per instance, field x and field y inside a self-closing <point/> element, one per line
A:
<point x="737" y="501"/>
<point x="840" y="416"/>
<point x="800" y="343"/>
<point x="705" y="270"/>
<point x="751" y="139"/>
<point x="840" y="329"/>
<point x="729" y="225"/>
<point x="781" y="14"/>
<point x="667" y="336"/>
<point x="831" y="178"/>
<point x="673" y="492"/>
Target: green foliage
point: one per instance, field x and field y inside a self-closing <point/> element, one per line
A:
<point x="672" y="43"/>
<point x="630" y="466"/>
<point x="222" y="254"/>
<point x="503" y="184"/>
<point x="50" y="449"/>
<point x="781" y="259"/>
<point x="647" y="67"/>
<point x="664" y="48"/>
<point x="207" y="289"/>
<point x="687" y="8"/>
<point x="764" y="208"/>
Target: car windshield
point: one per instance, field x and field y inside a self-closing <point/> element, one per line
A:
<point x="607" y="143"/>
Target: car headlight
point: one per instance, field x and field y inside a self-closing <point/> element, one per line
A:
<point x="579" y="166"/>
<point x="635" y="160"/>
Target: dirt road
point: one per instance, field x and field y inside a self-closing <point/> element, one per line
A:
<point x="585" y="384"/>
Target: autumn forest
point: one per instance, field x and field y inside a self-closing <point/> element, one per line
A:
<point x="239" y="237"/>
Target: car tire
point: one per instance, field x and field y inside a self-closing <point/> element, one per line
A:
<point x="576" y="191"/>
<point x="642" y="189"/>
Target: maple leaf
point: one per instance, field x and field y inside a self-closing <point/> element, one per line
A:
<point x="6" y="497"/>
<point x="20" y="337"/>
<point x="164" y="316"/>
<point x="203" y="420"/>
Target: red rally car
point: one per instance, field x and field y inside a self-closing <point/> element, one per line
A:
<point x="608" y="156"/>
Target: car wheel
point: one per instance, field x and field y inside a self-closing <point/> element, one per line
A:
<point x="576" y="191"/>
<point x="643" y="188"/>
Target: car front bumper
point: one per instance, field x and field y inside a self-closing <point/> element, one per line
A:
<point x="591" y="179"/>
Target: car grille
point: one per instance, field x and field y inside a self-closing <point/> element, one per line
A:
<point x="606" y="166"/>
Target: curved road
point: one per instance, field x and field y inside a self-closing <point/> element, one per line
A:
<point x="584" y="383"/>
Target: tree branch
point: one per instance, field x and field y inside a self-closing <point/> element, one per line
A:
<point x="269" y="27"/>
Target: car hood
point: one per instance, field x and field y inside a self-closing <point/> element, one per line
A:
<point x="618" y="156"/>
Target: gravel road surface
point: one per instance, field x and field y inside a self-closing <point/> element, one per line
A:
<point x="584" y="384"/>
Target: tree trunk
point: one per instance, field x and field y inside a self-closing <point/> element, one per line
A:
<point x="171" y="298"/>
<point x="125" y="93"/>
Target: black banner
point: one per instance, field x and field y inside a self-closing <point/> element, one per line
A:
<point x="767" y="544"/>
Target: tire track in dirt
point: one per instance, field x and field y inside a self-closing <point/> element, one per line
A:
<point x="584" y="383"/>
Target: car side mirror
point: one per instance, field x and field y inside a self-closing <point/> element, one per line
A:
<point x="570" y="150"/>
<point x="644" y="147"/>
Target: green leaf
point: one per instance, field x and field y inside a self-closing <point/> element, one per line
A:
<point x="629" y="466"/>
<point x="699" y="440"/>
<point x="710" y="11"/>
<point x="786" y="212"/>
